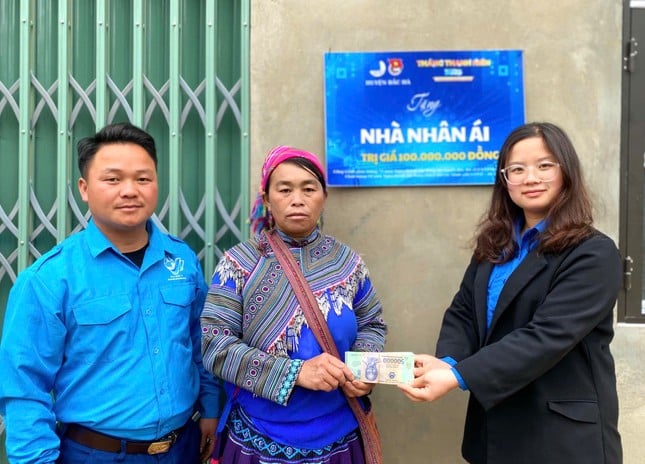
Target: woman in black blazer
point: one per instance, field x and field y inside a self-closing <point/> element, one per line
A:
<point x="528" y="332"/>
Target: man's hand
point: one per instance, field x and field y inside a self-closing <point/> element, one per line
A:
<point x="208" y="428"/>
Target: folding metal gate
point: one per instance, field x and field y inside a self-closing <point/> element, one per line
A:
<point x="178" y="68"/>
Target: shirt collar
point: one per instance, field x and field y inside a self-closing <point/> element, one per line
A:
<point x="98" y="242"/>
<point x="298" y="242"/>
<point x="531" y="233"/>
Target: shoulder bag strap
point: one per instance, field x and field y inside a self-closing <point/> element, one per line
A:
<point x="320" y="329"/>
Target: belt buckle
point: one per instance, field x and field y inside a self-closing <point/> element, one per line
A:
<point x="159" y="447"/>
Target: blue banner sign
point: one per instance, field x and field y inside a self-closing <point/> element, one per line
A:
<point x="419" y="118"/>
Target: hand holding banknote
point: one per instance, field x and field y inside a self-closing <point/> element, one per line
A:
<point x="356" y="388"/>
<point x="323" y="372"/>
<point x="425" y="362"/>
<point x="433" y="379"/>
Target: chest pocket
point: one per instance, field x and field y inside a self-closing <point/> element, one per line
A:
<point x="176" y="310"/>
<point x="181" y="295"/>
<point x="102" y="326"/>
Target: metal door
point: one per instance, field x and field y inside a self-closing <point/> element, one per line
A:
<point x="178" y="68"/>
<point x="631" y="303"/>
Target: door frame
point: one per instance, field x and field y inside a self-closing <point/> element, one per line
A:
<point x="632" y="159"/>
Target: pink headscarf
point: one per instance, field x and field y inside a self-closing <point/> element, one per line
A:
<point x="259" y="217"/>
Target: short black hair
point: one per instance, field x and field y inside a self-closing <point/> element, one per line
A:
<point x="122" y="132"/>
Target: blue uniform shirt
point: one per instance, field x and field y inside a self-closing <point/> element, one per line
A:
<point x="118" y="346"/>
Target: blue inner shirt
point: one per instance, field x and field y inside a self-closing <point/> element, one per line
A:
<point x="501" y="272"/>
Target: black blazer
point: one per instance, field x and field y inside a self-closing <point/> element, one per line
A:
<point x="542" y="379"/>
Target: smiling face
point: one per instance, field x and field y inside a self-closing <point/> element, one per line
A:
<point x="120" y="188"/>
<point x="295" y="199"/>
<point x="533" y="195"/>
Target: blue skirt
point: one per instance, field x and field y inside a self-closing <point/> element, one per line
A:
<point x="241" y="443"/>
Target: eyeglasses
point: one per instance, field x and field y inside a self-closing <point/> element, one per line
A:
<point x="515" y="174"/>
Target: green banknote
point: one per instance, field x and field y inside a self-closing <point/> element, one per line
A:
<point x="387" y="367"/>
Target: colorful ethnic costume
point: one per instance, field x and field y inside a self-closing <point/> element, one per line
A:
<point x="256" y="338"/>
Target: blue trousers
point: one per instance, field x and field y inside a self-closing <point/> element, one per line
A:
<point x="184" y="451"/>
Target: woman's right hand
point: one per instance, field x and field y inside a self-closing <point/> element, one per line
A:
<point x="425" y="362"/>
<point x="323" y="372"/>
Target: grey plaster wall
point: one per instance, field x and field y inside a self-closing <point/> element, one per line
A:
<point x="416" y="240"/>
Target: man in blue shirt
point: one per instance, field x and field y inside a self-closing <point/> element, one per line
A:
<point x="101" y="349"/>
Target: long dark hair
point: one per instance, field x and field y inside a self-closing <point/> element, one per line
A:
<point x="569" y="219"/>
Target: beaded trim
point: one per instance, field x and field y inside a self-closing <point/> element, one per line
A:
<point x="289" y="381"/>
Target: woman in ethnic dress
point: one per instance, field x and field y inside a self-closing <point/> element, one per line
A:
<point x="286" y="396"/>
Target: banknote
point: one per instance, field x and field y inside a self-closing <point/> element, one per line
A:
<point x="392" y="367"/>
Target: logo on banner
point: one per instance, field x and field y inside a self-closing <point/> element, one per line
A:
<point x="394" y="67"/>
<point x="382" y="67"/>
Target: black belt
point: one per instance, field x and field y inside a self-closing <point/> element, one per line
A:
<point x="98" y="441"/>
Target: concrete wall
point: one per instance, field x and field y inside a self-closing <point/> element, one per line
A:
<point x="415" y="240"/>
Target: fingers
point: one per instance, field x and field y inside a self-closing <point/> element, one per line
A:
<point x="357" y="388"/>
<point x="207" y="426"/>
<point x="420" y="381"/>
<point x="421" y="360"/>
<point x="413" y="393"/>
<point x="419" y="371"/>
<point x="426" y="362"/>
<point x="333" y="371"/>
<point x="431" y="386"/>
<point x="347" y="373"/>
<point x="206" y="448"/>
<point x="419" y="389"/>
<point x="323" y="372"/>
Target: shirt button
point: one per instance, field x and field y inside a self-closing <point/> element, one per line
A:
<point x="148" y="312"/>
<point x="156" y="351"/>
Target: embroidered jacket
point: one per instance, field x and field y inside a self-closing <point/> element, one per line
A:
<point x="255" y="336"/>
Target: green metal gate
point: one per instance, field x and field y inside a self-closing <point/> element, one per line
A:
<point x="178" y="68"/>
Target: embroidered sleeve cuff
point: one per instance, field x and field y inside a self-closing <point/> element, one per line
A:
<point x="289" y="381"/>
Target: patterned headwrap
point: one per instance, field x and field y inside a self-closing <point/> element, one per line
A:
<point x="259" y="216"/>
